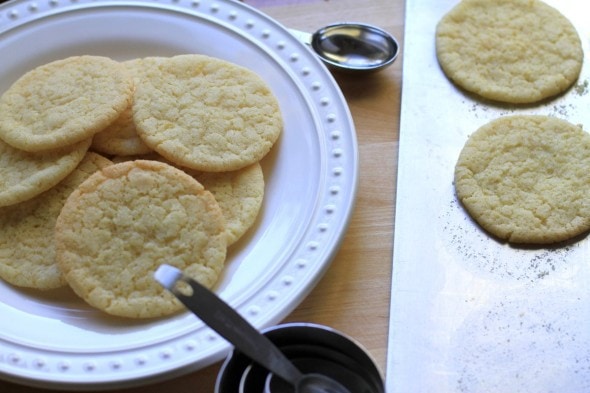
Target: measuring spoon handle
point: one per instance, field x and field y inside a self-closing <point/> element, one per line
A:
<point x="228" y="323"/>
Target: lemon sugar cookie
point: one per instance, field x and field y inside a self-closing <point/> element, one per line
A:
<point x="24" y="175"/>
<point x="120" y="137"/>
<point x="513" y="51"/>
<point x="239" y="194"/>
<point x="205" y="113"/>
<point x="64" y="102"/>
<point x="27" y="252"/>
<point x="124" y="221"/>
<point x="526" y="179"/>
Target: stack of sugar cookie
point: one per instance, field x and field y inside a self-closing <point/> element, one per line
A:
<point x="524" y="178"/>
<point x="112" y="168"/>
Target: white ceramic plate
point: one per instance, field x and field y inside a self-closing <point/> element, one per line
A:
<point x="53" y="339"/>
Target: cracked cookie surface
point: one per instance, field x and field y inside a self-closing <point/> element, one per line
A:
<point x="27" y="254"/>
<point x="239" y="194"/>
<point x="526" y="179"/>
<point x="127" y="219"/>
<point x="514" y="51"/>
<point x="24" y="175"/>
<point x="64" y="102"/>
<point x="120" y="137"/>
<point x="205" y="113"/>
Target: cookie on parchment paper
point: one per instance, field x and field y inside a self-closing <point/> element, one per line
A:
<point x="513" y="51"/>
<point x="526" y="179"/>
<point x="127" y="219"/>
<point x="27" y="251"/>
<point x="64" y="102"/>
<point x="205" y="113"/>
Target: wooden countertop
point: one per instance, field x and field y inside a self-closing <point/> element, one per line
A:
<point x="353" y="296"/>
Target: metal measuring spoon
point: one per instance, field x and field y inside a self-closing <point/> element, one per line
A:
<point x="226" y="321"/>
<point x="355" y="47"/>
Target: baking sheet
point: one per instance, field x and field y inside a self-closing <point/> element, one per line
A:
<point x="470" y="314"/>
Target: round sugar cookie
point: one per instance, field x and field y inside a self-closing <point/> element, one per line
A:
<point x="526" y="179"/>
<point x="64" y="102"/>
<point x="24" y="175"/>
<point x="127" y="219"/>
<point x="205" y="113"/>
<point x="239" y="194"/>
<point x="27" y="251"/>
<point x="514" y="51"/>
<point x="120" y="137"/>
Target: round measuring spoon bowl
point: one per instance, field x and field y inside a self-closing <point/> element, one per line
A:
<point x="355" y="47"/>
